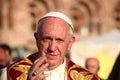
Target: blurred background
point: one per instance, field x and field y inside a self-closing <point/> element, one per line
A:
<point x="96" y="28"/>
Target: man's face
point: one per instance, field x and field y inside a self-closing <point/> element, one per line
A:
<point x="93" y="66"/>
<point x="53" y="40"/>
<point x="4" y="60"/>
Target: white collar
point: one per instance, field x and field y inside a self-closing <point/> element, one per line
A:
<point x="59" y="72"/>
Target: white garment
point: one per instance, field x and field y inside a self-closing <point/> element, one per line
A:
<point x="57" y="74"/>
<point x="3" y="75"/>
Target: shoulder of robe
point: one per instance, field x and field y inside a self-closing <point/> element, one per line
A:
<point x="76" y="72"/>
<point x="19" y="69"/>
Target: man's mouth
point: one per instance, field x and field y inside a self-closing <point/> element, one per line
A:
<point x="51" y="56"/>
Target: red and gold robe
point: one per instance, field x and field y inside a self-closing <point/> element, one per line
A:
<point x="19" y="70"/>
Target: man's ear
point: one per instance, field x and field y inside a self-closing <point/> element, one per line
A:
<point x="36" y="38"/>
<point x="72" y="40"/>
<point x="35" y="35"/>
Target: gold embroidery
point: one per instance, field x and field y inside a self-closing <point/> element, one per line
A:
<point x="76" y="66"/>
<point x="75" y="75"/>
<point x="88" y="77"/>
<point x="22" y="68"/>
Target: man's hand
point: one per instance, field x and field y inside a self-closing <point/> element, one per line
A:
<point x="37" y="70"/>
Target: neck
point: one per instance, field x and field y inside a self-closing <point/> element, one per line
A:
<point x="51" y="67"/>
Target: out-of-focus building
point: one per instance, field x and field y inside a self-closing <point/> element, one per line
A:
<point x="18" y="18"/>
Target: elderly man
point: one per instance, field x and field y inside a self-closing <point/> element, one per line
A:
<point x="93" y="65"/>
<point x="54" y="39"/>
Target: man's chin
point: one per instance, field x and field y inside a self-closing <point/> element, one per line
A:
<point x="52" y="64"/>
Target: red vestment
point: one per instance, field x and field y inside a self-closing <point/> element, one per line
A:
<point x="19" y="70"/>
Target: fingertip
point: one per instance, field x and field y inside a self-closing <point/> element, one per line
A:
<point x="36" y="60"/>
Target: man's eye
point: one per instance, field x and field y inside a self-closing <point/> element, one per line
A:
<point x="47" y="39"/>
<point x="59" y="40"/>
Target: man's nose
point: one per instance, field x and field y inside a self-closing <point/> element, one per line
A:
<point x="52" y="46"/>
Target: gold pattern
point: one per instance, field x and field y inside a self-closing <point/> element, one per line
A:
<point x="76" y="66"/>
<point x="88" y="77"/>
<point x="75" y="75"/>
<point x="22" y="68"/>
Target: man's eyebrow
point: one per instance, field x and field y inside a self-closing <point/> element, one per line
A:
<point x="60" y="39"/>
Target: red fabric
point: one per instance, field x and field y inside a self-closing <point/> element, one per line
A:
<point x="13" y="74"/>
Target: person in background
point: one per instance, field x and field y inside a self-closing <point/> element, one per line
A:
<point x="93" y="65"/>
<point x="5" y="60"/>
<point x="54" y="38"/>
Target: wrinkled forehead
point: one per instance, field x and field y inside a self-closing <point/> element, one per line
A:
<point x="52" y="26"/>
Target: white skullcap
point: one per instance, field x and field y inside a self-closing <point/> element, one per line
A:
<point x="59" y="15"/>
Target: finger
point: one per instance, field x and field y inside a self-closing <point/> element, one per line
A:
<point x="42" y="77"/>
<point x="40" y="73"/>
<point x="35" y="67"/>
<point x="38" y="63"/>
<point x="42" y="68"/>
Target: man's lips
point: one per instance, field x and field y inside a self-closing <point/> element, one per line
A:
<point x="51" y="56"/>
